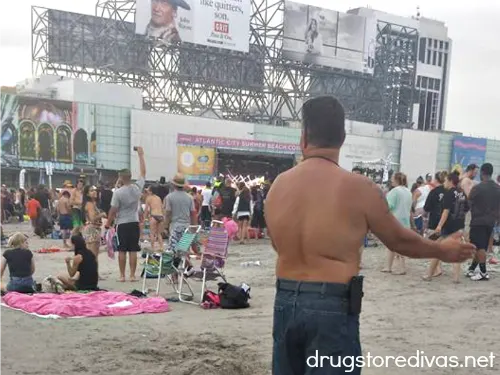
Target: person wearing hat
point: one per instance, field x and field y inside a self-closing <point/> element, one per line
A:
<point x="180" y="211"/>
<point x="162" y="24"/>
<point x="125" y="212"/>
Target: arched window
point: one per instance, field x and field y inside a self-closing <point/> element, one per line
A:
<point x="81" y="147"/>
<point x="45" y="142"/>
<point x="63" y="139"/>
<point x="27" y="140"/>
<point x="9" y="139"/>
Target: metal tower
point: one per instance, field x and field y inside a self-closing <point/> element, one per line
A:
<point x="259" y="86"/>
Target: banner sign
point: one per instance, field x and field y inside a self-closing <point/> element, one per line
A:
<point x="326" y="37"/>
<point x="212" y="23"/>
<point x="467" y="150"/>
<point x="238" y="144"/>
<point x="196" y="162"/>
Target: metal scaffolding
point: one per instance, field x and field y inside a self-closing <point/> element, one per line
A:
<point x="260" y="86"/>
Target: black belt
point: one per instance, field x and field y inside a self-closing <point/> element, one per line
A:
<point x="330" y="289"/>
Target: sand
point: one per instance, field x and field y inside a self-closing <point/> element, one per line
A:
<point x="401" y="314"/>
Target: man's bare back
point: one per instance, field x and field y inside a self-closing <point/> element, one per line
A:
<point x="63" y="206"/>
<point x="318" y="226"/>
<point x="155" y="205"/>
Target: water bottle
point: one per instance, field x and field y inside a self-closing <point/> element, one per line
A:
<point x="254" y="263"/>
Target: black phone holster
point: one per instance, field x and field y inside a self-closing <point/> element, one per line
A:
<point x="355" y="295"/>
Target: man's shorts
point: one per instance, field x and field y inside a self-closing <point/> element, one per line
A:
<point x="128" y="235"/>
<point x="480" y="236"/>
<point x="65" y="222"/>
<point x="309" y="324"/>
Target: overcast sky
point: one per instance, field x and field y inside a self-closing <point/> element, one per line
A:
<point x="474" y="26"/>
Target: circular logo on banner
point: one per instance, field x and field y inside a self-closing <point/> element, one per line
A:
<point x="187" y="159"/>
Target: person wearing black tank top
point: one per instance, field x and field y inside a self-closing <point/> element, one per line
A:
<point x="82" y="268"/>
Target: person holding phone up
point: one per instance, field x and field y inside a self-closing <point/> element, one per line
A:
<point x="124" y="213"/>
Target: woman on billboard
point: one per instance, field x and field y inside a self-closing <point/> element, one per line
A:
<point x="162" y="24"/>
<point x="313" y="39"/>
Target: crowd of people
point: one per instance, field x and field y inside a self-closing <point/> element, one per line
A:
<point x="448" y="203"/>
<point x="83" y="213"/>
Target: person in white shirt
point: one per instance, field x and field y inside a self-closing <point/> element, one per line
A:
<point x="206" y="205"/>
<point x="419" y="197"/>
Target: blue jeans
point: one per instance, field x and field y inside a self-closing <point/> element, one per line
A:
<point x="311" y="320"/>
<point x="21" y="284"/>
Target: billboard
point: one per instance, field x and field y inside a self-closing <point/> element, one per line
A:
<point x="95" y="42"/>
<point x="195" y="162"/>
<point x="36" y="131"/>
<point x="467" y="150"/>
<point x="238" y="144"/>
<point x="10" y="135"/>
<point x="221" y="24"/>
<point x="326" y="37"/>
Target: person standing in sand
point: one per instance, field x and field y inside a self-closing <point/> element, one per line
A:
<point x="76" y="201"/>
<point x="180" y="213"/>
<point x="65" y="219"/>
<point x="154" y="213"/>
<point x="452" y="220"/>
<point x="124" y="208"/>
<point x="317" y="238"/>
<point x="466" y="184"/>
<point x="400" y="202"/>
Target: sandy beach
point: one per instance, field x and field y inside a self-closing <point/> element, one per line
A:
<point x="401" y="314"/>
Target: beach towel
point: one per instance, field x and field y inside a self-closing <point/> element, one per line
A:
<point x="111" y="242"/>
<point x="77" y="305"/>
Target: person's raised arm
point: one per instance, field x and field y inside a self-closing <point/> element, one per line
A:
<point x="404" y="241"/>
<point x="142" y="163"/>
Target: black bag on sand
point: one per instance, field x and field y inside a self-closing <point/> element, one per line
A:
<point x="233" y="297"/>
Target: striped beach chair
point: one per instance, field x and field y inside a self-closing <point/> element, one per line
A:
<point x="181" y="253"/>
<point x="214" y="255"/>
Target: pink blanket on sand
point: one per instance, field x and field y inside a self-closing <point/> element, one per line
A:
<point x="71" y="305"/>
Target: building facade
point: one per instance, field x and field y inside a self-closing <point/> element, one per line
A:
<point x="432" y="66"/>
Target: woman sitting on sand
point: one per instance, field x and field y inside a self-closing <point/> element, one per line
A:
<point x="21" y="265"/>
<point x="82" y="268"/>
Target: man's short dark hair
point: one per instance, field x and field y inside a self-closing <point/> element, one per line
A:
<point x="471" y="167"/>
<point x="356" y="169"/>
<point x="208" y="184"/>
<point x="323" y="119"/>
<point x="66" y="194"/>
<point x="487" y="170"/>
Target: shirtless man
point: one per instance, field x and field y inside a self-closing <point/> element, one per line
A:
<point x="154" y="213"/>
<point x="317" y="238"/>
<point x="466" y="184"/>
<point x="65" y="219"/>
<point x="76" y="201"/>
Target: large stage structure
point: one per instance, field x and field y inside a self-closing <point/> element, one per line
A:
<point x="259" y="86"/>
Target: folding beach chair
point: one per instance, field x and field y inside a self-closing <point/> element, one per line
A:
<point x="181" y="252"/>
<point x="158" y="265"/>
<point x="214" y="255"/>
